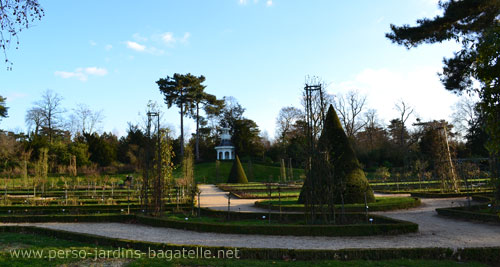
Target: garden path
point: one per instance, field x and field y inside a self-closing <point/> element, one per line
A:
<point x="214" y="198"/>
<point x="434" y="230"/>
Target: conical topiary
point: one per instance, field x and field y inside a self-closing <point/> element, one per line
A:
<point x="237" y="174"/>
<point x="347" y="172"/>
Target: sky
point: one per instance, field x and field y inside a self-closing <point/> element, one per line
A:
<point x="108" y="55"/>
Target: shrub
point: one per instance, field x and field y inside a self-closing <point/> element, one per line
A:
<point x="237" y="174"/>
<point x="347" y="172"/>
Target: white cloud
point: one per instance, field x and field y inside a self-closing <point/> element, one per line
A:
<point x="92" y="43"/>
<point x="185" y="38"/>
<point x="96" y="71"/>
<point x="155" y="51"/>
<point x="139" y="38"/>
<point x="82" y="74"/>
<point x="66" y="75"/>
<point x="142" y="48"/>
<point x="168" y="38"/>
<point x="135" y="46"/>
<point x="108" y="47"/>
<point x="268" y="3"/>
<point x="419" y="87"/>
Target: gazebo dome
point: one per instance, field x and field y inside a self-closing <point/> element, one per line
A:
<point x="225" y="150"/>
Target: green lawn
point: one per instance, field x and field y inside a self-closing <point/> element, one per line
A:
<point x="206" y="172"/>
<point x="11" y="241"/>
<point x="332" y="263"/>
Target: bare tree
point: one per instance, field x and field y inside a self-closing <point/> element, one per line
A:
<point x="372" y="126"/>
<point x="34" y="120"/>
<point x="349" y="108"/>
<point x="85" y="120"/>
<point x="16" y="15"/>
<point x="285" y="120"/>
<point x="405" y="111"/>
<point x="51" y="111"/>
<point x="464" y="114"/>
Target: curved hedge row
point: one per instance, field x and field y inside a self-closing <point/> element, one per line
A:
<point x="68" y="218"/>
<point x="396" y="206"/>
<point x="446" y="195"/>
<point x="489" y="255"/>
<point x="76" y="209"/>
<point x="381" y="225"/>
<point x="387" y="227"/>
<point x="462" y="213"/>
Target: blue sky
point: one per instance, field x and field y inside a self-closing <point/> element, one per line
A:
<point x="108" y="55"/>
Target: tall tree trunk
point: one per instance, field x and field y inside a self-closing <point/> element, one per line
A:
<point x="182" y="132"/>
<point x="50" y="129"/>
<point x="197" y="132"/>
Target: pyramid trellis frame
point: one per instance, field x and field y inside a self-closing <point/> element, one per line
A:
<point x="311" y="184"/>
<point x="156" y="204"/>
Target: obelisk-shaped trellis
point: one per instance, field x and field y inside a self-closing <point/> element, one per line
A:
<point x="313" y="94"/>
<point x="155" y="205"/>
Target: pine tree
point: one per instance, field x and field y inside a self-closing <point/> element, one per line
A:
<point x="237" y="174"/>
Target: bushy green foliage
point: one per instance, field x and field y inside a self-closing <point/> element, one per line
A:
<point x="3" y="107"/>
<point x="348" y="178"/>
<point x="237" y="174"/>
<point x="346" y="166"/>
<point x="386" y="226"/>
<point x="463" y="213"/>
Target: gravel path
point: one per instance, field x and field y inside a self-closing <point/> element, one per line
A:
<point x="435" y="231"/>
<point x="214" y="198"/>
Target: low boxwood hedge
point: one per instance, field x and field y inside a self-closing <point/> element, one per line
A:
<point x="469" y="214"/>
<point x="446" y="195"/>
<point x="68" y="218"/>
<point x="386" y="226"/>
<point x="78" y="209"/>
<point x="287" y="217"/>
<point x="488" y="255"/>
<point x="359" y="208"/>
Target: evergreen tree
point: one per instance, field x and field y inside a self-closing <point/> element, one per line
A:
<point x="348" y="177"/>
<point x="237" y="174"/>
<point x="176" y="90"/>
<point x="3" y="107"/>
<point x="208" y="102"/>
<point x="475" y="24"/>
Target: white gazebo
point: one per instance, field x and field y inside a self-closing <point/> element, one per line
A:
<point x="225" y="150"/>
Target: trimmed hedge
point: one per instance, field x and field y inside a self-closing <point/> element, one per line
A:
<point x="237" y="174"/>
<point x="489" y="255"/>
<point x="463" y="213"/>
<point x="397" y="206"/>
<point x="445" y="195"/>
<point x="77" y="209"/>
<point x="381" y="225"/>
<point x="386" y="226"/>
<point x="483" y="198"/>
<point x="249" y="195"/>
<point x="286" y="216"/>
<point x="68" y="218"/>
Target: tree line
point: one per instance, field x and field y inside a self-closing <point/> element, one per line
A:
<point x="75" y="135"/>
